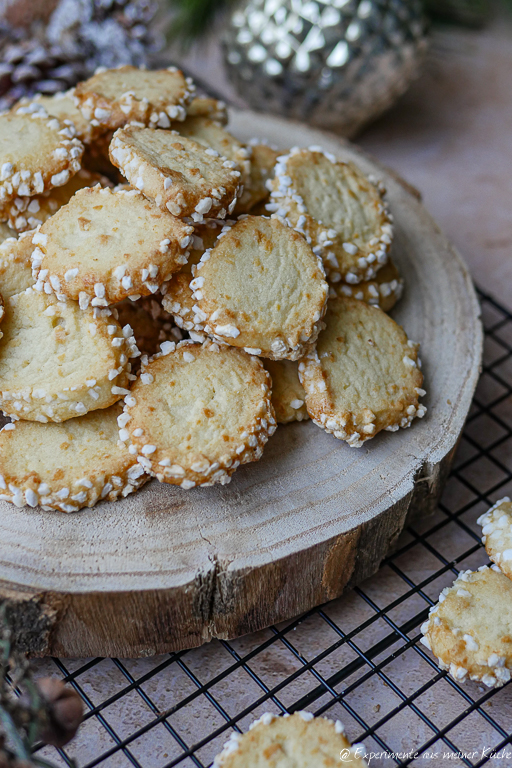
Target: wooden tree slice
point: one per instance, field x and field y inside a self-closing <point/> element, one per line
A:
<point x="167" y="569"/>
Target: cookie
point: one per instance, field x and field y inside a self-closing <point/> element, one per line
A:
<point x="288" y="396"/>
<point x="67" y="466"/>
<point x="113" y="97"/>
<point x="263" y="161"/>
<point x="262" y="288"/>
<point x="470" y="629"/>
<point x="63" y="107"/>
<point x="205" y="106"/>
<point x="212" y="135"/>
<point x="497" y="534"/>
<point x="16" y="265"/>
<point x="58" y="361"/>
<point x="178" y="299"/>
<point x="363" y="376"/>
<point x="337" y="208"/>
<point x="104" y="246"/>
<point x="37" y="153"/>
<point x="291" y="741"/>
<point x="179" y="174"/>
<point x="150" y="323"/>
<point x="198" y="412"/>
<point x="384" y="291"/>
<point x="96" y="159"/>
<point x="24" y="213"/>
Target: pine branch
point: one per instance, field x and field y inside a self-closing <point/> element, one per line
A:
<point x="192" y="18"/>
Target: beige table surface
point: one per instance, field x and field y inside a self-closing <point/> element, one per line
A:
<point x="450" y="136"/>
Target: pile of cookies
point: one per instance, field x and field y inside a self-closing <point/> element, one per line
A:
<point x="470" y="629"/>
<point x="171" y="294"/>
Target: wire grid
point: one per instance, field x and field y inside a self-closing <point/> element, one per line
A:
<point x="357" y="658"/>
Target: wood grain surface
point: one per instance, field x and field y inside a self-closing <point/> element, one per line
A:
<point x="167" y="569"/>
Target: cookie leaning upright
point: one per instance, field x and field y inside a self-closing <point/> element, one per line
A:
<point x="180" y="175"/>
<point x="291" y="741"/>
<point x="37" y="152"/>
<point x="198" y="412"/>
<point x="113" y="97"/>
<point x="261" y="288"/>
<point x="67" y="466"/>
<point x="470" y="628"/>
<point x="337" y="208"/>
<point x="288" y="394"/>
<point x="16" y="264"/>
<point x="363" y="376"/>
<point x="497" y="534"/>
<point x="58" y="361"/>
<point x="106" y="245"/>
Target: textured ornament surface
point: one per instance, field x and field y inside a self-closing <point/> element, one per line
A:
<point x="333" y="63"/>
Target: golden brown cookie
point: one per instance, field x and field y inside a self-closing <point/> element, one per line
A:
<point x="179" y="174"/>
<point x="261" y="288"/>
<point x="288" y="396"/>
<point x="263" y="161"/>
<point x="363" y="376"/>
<point x="291" y="741"/>
<point x="337" y="208"/>
<point x="105" y="246"/>
<point x="470" y="629"/>
<point x="67" y="466"/>
<point x="63" y="107"/>
<point x="38" y="152"/>
<point x="497" y="534"/>
<point x="58" y="361"/>
<point x="113" y="97"/>
<point x="205" y="106"/>
<point x="198" y="412"/>
<point x="16" y="264"/>
<point x="383" y="291"/>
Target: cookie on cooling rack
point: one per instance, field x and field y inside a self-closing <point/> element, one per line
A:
<point x="497" y="534"/>
<point x="291" y="741"/>
<point x="205" y="106"/>
<point x="107" y="245"/>
<point x="288" y="396"/>
<point x="58" y="361"/>
<point x="363" y="376"/>
<point x="263" y="161"/>
<point x="113" y="97"/>
<point x="179" y="297"/>
<point x="16" y="264"/>
<point x="470" y="628"/>
<point x="67" y="466"/>
<point x="63" y="107"/>
<point x="384" y="291"/>
<point x="261" y="288"/>
<point x="337" y="208"/>
<point x="179" y="174"/>
<point x="24" y="213"/>
<point x="38" y="152"/>
<point x="198" y="412"/>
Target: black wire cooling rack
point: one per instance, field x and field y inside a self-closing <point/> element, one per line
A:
<point x="357" y="659"/>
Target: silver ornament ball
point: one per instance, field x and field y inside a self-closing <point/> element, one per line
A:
<point x="336" y="64"/>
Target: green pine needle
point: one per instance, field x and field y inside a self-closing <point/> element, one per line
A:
<point x="192" y="18"/>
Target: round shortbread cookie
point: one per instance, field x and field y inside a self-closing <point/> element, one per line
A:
<point x="150" y="323"/>
<point x="337" y="208"/>
<point x="470" y="629"/>
<point x="363" y="376"/>
<point x="16" y="264"/>
<point x="262" y="288"/>
<point x="212" y="135"/>
<point x="63" y="107"/>
<point x="198" y="412"/>
<point x="497" y="534"/>
<point x="57" y="361"/>
<point x="106" y="245"/>
<point x="113" y="97"/>
<point x="205" y="106"/>
<point x="291" y="741"/>
<point x="178" y="299"/>
<point x="288" y="396"/>
<point x="67" y="466"/>
<point x="179" y="174"/>
<point x="263" y="161"/>
<point x="38" y="152"/>
<point x="24" y="213"/>
<point x="384" y="291"/>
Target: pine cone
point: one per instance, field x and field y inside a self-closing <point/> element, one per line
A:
<point x="65" y="711"/>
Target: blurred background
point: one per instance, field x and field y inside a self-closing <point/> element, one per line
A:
<point x="424" y="85"/>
